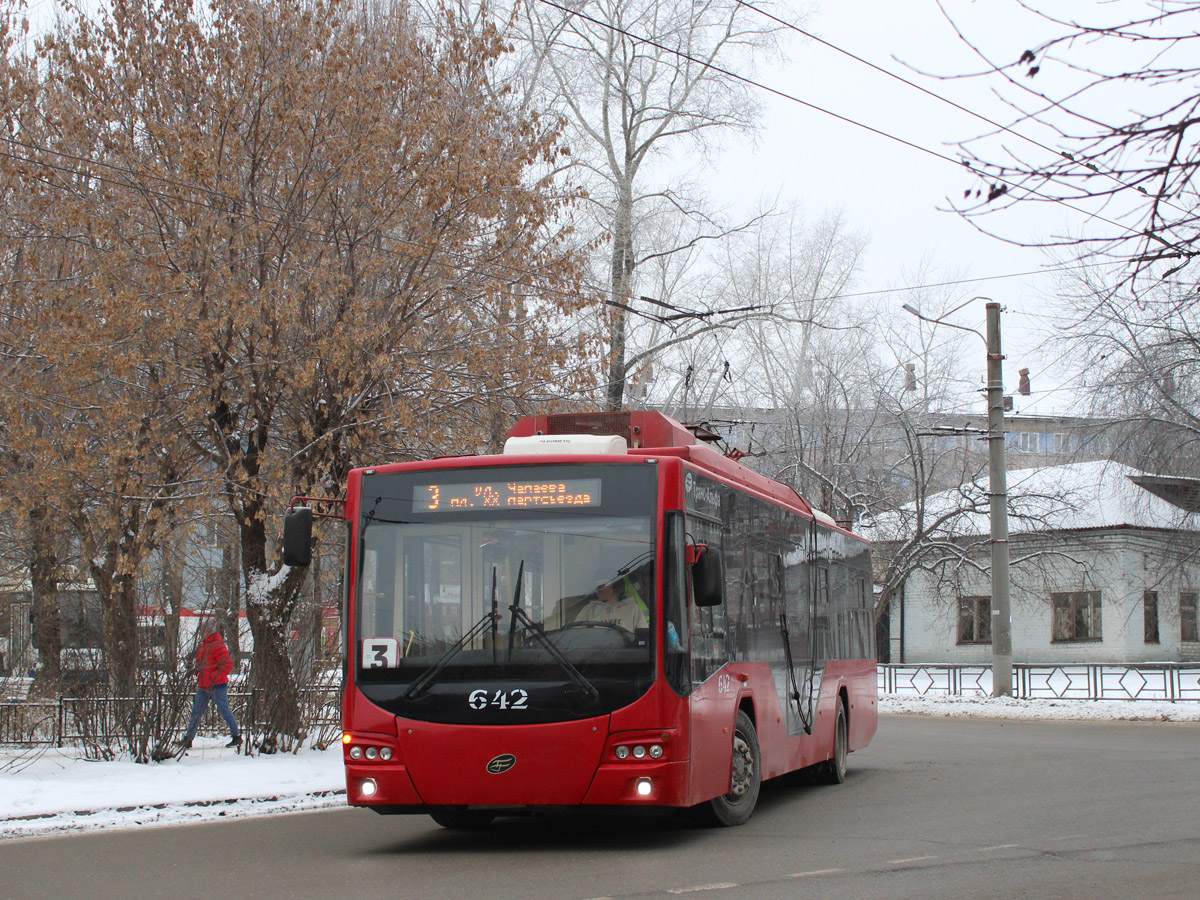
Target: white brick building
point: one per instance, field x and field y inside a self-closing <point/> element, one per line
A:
<point x="1102" y="571"/>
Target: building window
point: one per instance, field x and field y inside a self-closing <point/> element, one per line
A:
<point x="1150" y="616"/>
<point x="1187" y="616"/>
<point x="975" y="620"/>
<point x="1076" y="616"/>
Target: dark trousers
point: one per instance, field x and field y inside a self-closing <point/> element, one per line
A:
<point x="220" y="696"/>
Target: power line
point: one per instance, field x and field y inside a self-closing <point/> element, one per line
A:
<point x="1182" y="253"/>
<point x="677" y="312"/>
<point x="1005" y="128"/>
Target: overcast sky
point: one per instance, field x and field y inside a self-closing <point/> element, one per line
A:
<point x="895" y="192"/>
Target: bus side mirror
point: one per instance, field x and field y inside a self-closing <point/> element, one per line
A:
<point x="708" y="576"/>
<point x="297" y="536"/>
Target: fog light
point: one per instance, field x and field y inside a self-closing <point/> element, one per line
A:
<point x="622" y="752"/>
<point x="639" y="752"/>
<point x="372" y="753"/>
<point x="386" y="753"/>
<point x="356" y="752"/>
<point x="656" y="751"/>
<point x="368" y="787"/>
<point x="644" y="787"/>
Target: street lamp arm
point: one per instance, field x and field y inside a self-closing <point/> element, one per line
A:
<point x="909" y="308"/>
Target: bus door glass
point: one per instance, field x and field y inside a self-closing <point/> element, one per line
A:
<point x="798" y="598"/>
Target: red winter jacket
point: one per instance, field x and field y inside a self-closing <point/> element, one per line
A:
<point x="213" y="662"/>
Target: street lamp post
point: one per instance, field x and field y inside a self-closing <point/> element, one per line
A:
<point x="997" y="495"/>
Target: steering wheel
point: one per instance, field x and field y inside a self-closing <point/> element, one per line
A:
<point x="627" y="637"/>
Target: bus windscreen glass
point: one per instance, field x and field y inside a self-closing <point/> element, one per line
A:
<point x="507" y="594"/>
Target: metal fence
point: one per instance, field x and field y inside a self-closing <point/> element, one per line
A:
<point x="1073" y="681"/>
<point x="100" y="720"/>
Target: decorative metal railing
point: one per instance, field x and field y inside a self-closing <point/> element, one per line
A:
<point x="1071" y="681"/>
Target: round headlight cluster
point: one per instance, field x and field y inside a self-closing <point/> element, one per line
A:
<point x="639" y="751"/>
<point x="383" y="753"/>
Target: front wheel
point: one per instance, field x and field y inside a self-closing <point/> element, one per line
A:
<point x="833" y="770"/>
<point x="745" y="780"/>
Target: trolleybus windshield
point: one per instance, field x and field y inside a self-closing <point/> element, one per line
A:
<point x="507" y="594"/>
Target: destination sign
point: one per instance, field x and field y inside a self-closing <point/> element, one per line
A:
<point x="461" y="496"/>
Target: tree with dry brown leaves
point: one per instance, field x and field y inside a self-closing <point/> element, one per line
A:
<point x="307" y="237"/>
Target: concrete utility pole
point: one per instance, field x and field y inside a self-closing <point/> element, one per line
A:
<point x="998" y="492"/>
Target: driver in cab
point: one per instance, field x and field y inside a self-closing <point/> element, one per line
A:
<point x="616" y="603"/>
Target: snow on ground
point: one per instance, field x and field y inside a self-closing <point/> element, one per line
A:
<point x="53" y="791"/>
<point x="49" y="792"/>
<point x="982" y="706"/>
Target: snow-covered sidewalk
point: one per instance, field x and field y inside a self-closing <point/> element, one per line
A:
<point x="53" y="792"/>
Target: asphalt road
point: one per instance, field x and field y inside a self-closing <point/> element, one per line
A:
<point x="934" y="808"/>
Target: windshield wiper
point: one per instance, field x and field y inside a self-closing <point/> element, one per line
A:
<point x="491" y="620"/>
<point x="519" y="615"/>
<point x="418" y="687"/>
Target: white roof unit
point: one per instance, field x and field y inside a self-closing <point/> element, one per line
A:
<point x="542" y="444"/>
<point x="824" y="518"/>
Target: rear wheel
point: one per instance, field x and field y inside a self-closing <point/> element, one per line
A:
<point x="459" y="819"/>
<point x="833" y="770"/>
<point x="745" y="779"/>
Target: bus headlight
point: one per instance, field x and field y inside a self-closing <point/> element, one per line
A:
<point x="372" y="752"/>
<point x="656" y="751"/>
<point x="368" y="787"/>
<point x="385" y="754"/>
<point x="644" y="787"/>
<point x="639" y="752"/>
<point x="356" y="752"/>
<point x="622" y="752"/>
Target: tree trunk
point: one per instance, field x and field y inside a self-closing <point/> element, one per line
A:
<point x="120" y="632"/>
<point x="47" y="617"/>
<point x="275" y="701"/>
<point x="620" y="282"/>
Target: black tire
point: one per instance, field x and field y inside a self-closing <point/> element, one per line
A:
<point x="460" y="819"/>
<point x="745" y="780"/>
<point x="833" y="770"/>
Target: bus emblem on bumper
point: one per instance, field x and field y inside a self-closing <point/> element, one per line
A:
<point x="502" y="763"/>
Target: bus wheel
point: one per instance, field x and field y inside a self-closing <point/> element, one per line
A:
<point x="833" y="770"/>
<point x="460" y="819"/>
<point x="745" y="780"/>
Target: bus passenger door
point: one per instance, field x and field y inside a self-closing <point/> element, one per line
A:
<point x="797" y="637"/>
<point x="714" y="694"/>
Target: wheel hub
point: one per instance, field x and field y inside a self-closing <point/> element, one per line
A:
<point x="743" y="768"/>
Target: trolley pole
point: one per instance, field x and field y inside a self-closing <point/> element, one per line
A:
<point x="998" y="495"/>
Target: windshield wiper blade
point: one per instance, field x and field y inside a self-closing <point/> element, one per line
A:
<point x="418" y="687"/>
<point x="527" y="624"/>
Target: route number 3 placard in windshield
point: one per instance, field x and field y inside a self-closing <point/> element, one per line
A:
<point x="381" y="653"/>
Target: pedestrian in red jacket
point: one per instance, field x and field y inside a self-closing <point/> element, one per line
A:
<point x="213" y="665"/>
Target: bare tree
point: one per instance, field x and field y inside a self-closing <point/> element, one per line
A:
<point x="638" y="79"/>
<point x="1141" y="370"/>
<point x="1117" y="90"/>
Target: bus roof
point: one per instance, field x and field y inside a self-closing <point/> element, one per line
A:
<point x="649" y="433"/>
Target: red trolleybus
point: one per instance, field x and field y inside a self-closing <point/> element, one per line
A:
<point x="492" y="672"/>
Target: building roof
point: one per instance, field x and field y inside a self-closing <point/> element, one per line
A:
<point x="1071" y="497"/>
